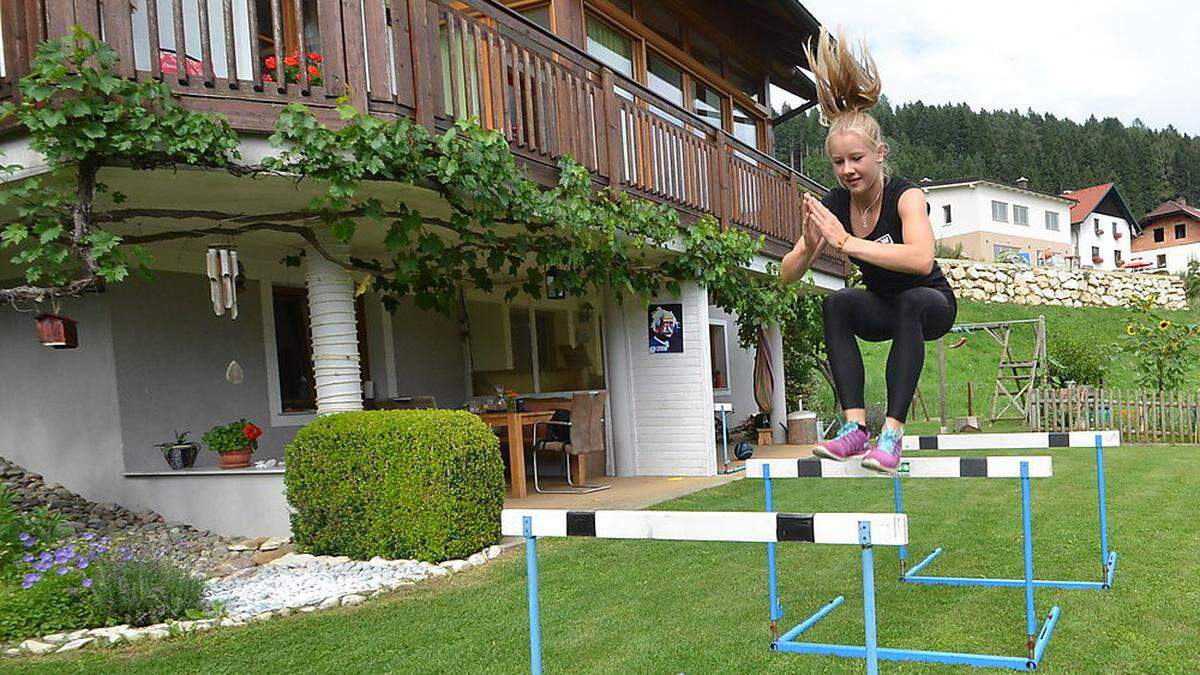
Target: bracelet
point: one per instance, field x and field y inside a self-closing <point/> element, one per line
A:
<point x="842" y="243"/>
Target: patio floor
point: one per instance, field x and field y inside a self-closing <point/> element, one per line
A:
<point x="638" y="492"/>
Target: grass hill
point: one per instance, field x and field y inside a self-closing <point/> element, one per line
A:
<point x="976" y="360"/>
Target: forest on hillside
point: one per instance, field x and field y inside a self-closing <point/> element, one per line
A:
<point x="1056" y="154"/>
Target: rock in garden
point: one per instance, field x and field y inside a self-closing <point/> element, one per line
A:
<point x="329" y="603"/>
<point x="265" y="556"/>
<point x="493" y="552"/>
<point x="242" y="546"/>
<point x="12" y="652"/>
<point x="35" y="647"/>
<point x="55" y="638"/>
<point x="76" y="644"/>
<point x="477" y="559"/>
<point x="351" y="600"/>
<point x="455" y="565"/>
<point x="271" y="544"/>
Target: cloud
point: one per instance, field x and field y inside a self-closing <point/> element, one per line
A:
<point x="1105" y="58"/>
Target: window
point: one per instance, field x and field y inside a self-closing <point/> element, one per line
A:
<point x="706" y="103"/>
<point x="1096" y="253"/>
<point x="1020" y="214"/>
<point x="745" y="129"/>
<point x="297" y="386"/>
<point x="1117" y="257"/>
<point x="720" y="356"/>
<point x="1095" y="223"/>
<point x="1002" y="253"/>
<point x="741" y="79"/>
<point x="706" y="51"/>
<point x="664" y="79"/>
<point x="946" y="213"/>
<point x="1180" y="231"/>
<point x="312" y="35"/>
<point x="1162" y="261"/>
<point x="1000" y="212"/>
<point x="1160" y="234"/>
<point x="539" y="15"/>
<point x="503" y="338"/>
<point x="610" y="46"/>
<point x="1052" y="221"/>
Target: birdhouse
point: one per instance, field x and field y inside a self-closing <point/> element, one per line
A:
<point x="57" y="332"/>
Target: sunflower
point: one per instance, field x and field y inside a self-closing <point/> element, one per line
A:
<point x="1130" y="330"/>
<point x="1164" y="324"/>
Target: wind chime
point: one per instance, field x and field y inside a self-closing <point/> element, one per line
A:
<point x="222" y="265"/>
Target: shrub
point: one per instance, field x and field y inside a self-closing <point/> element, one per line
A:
<point x="141" y="592"/>
<point x="1071" y="359"/>
<point x="1162" y="349"/>
<point x="57" y="603"/>
<point x="19" y="530"/>
<point x="425" y="484"/>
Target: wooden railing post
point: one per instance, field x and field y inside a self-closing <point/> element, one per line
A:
<point x="721" y="175"/>
<point x="425" y="38"/>
<point x="22" y="31"/>
<point x="355" y="52"/>
<point x="614" y="146"/>
<point x="792" y="216"/>
<point x="118" y="32"/>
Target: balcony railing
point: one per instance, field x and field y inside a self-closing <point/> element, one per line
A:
<point x="434" y="61"/>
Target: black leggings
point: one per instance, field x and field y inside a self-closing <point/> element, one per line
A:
<point x="908" y="319"/>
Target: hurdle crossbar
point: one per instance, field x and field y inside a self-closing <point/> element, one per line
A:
<point x="816" y="528"/>
<point x="1013" y="441"/>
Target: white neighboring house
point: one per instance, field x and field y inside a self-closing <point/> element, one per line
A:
<point x="1102" y="227"/>
<point x="994" y="221"/>
<point x="1170" y="237"/>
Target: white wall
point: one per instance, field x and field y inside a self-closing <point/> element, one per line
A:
<point x="1178" y="257"/>
<point x="662" y="420"/>
<point x="971" y="211"/>
<point x="1107" y="242"/>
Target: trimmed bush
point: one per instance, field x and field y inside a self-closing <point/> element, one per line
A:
<point x="56" y="604"/>
<point x="1071" y="359"/>
<point x="423" y="484"/>
<point x="142" y="592"/>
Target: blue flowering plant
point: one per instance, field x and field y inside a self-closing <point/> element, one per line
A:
<point x="64" y="558"/>
<point x="19" y="528"/>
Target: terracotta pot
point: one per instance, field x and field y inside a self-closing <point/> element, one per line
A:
<point x="236" y="459"/>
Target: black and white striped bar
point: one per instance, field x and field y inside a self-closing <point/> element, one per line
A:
<point x="913" y="467"/>
<point x="887" y="529"/>
<point x="1015" y="441"/>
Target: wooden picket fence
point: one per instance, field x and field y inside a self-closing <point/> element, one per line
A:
<point x="1139" y="414"/>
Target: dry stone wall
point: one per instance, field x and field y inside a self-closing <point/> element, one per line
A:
<point x="1024" y="285"/>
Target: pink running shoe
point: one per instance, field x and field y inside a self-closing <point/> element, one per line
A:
<point x="884" y="455"/>
<point x="850" y="442"/>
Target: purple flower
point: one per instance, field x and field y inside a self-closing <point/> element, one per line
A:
<point x="61" y="556"/>
<point x="82" y="563"/>
<point x="103" y="540"/>
<point x="88" y="536"/>
<point x="45" y="556"/>
<point x="30" y="580"/>
<point x="27" y="539"/>
<point x="62" y="571"/>
<point x="27" y="558"/>
<point x="42" y="565"/>
<point x="87" y="583"/>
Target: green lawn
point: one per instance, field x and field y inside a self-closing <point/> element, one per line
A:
<point x="664" y="607"/>
<point x="976" y="361"/>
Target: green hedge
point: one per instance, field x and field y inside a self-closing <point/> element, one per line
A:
<point x="423" y="484"/>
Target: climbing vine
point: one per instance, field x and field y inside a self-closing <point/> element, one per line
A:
<point x="502" y="231"/>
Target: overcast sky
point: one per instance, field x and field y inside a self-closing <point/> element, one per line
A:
<point x="1109" y="58"/>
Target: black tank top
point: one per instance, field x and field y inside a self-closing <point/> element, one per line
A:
<point x="887" y="230"/>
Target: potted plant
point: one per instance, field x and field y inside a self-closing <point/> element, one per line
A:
<point x="1097" y="260"/>
<point x="179" y="453"/>
<point x="234" y="442"/>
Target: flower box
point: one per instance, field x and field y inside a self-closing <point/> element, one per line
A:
<point x="1117" y="234"/>
<point x="1097" y="260"/>
<point x="57" y="332"/>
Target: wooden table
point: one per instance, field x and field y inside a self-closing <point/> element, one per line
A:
<point x="514" y="422"/>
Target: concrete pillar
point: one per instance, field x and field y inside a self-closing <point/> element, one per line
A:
<point x="779" y="400"/>
<point x="336" y="365"/>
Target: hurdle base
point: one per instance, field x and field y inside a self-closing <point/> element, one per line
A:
<point x="913" y="577"/>
<point x="787" y="644"/>
<point x="728" y="469"/>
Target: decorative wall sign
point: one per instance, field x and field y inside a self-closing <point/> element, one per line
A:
<point x="666" y="328"/>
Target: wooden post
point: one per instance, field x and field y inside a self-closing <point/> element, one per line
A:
<point x="614" y="147"/>
<point x="941" y="353"/>
<point x="424" y="41"/>
<point x="724" y="201"/>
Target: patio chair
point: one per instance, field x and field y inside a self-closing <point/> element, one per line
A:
<point x="578" y="431"/>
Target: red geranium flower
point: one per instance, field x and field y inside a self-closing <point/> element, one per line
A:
<point x="291" y="61"/>
<point x="314" y="57"/>
<point x="271" y="63"/>
<point x="314" y="71"/>
<point x="252" y="432"/>
<point x="267" y="77"/>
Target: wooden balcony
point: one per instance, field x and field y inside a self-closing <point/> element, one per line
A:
<point x="433" y="61"/>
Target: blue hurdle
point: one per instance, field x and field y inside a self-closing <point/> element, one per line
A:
<point x="863" y="529"/>
<point x="1034" y="440"/>
<point x="1038" y="637"/>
